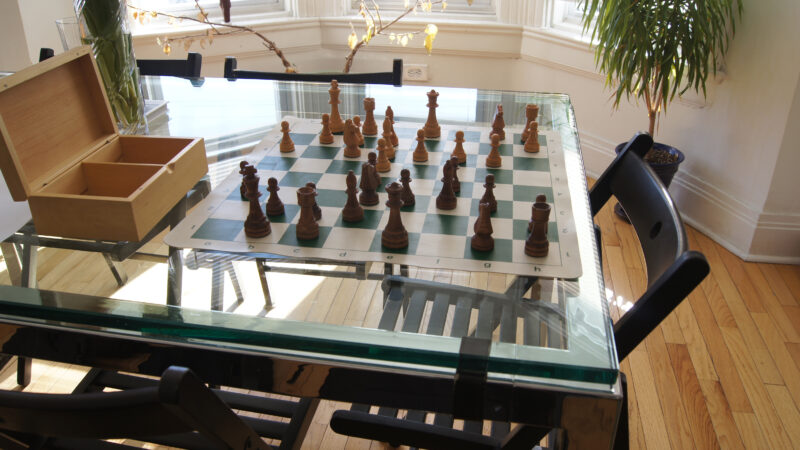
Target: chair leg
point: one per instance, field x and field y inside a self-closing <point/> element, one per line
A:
<point x="237" y="288"/>
<point x="117" y="270"/>
<point x="217" y="285"/>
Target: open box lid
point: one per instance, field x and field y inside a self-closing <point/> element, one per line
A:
<point x="52" y="115"/>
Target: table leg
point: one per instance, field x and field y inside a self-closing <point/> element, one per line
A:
<point x="117" y="270"/>
<point x="175" y="258"/>
<point x="590" y="422"/>
<point x="262" y="276"/>
<point x="27" y="279"/>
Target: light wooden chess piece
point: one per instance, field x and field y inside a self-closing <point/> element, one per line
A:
<point x="395" y="234"/>
<point x="420" y="153"/>
<point x="325" y="136"/>
<point x="351" y="149"/>
<point x="531" y="111"/>
<point x="337" y="124"/>
<point x="532" y="144"/>
<point x="357" y="123"/>
<point x="383" y="164"/>
<point x="494" y="160"/>
<point x="537" y="244"/>
<point x="499" y="124"/>
<point x="393" y="139"/>
<point x="287" y="145"/>
<point x="387" y="137"/>
<point x="432" y="128"/>
<point x="458" y="151"/>
<point x="370" y="127"/>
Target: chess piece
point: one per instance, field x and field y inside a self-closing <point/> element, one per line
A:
<point x="286" y="145"/>
<point x="482" y="240"/>
<point x="315" y="207"/>
<point x="395" y="234"/>
<point x="383" y="164"/>
<point x="420" y="153"/>
<point x="351" y="149"/>
<point x="532" y="144"/>
<point x="488" y="195"/>
<point x="368" y="185"/>
<point x="306" y="228"/>
<point x="357" y="123"/>
<point x="531" y="111"/>
<point x="498" y="124"/>
<point x="242" y="188"/>
<point x="387" y="137"/>
<point x="407" y="196"/>
<point x="537" y="245"/>
<point x="274" y="203"/>
<point x="370" y="127"/>
<point x="494" y="160"/>
<point x="447" y="198"/>
<point x="454" y="171"/>
<point x="372" y="158"/>
<point x="390" y="114"/>
<point x="432" y="128"/>
<point x="326" y="137"/>
<point x="352" y="211"/>
<point x="458" y="151"/>
<point x="337" y="124"/>
<point x="542" y="199"/>
<point x="256" y="225"/>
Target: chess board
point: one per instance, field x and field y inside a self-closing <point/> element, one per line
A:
<point x="437" y="238"/>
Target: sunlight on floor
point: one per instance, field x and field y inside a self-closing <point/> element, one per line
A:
<point x="618" y="300"/>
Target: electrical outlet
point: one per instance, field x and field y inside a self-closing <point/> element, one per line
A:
<point x="415" y="72"/>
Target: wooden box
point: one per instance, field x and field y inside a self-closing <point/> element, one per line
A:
<point x="62" y="151"/>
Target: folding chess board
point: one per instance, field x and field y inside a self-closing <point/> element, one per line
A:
<point x="437" y="238"/>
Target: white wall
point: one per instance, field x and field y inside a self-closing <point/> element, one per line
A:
<point x="13" y="43"/>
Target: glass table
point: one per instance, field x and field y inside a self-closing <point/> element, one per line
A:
<point x="479" y="345"/>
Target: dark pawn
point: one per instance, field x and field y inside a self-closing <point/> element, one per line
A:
<point x="256" y="225"/>
<point x="482" y="240"/>
<point x="274" y="203"/>
<point x="315" y="207"/>
<point x="537" y="245"/>
<point x="242" y="188"/>
<point x="372" y="158"/>
<point x="407" y="196"/>
<point x="447" y="198"/>
<point x="306" y="228"/>
<point x="488" y="195"/>
<point x="352" y="211"/>
<point x="454" y="166"/>
<point x="395" y="234"/>
<point x="368" y="185"/>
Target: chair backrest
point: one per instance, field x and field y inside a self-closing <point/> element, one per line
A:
<point x="395" y="77"/>
<point x="188" y="68"/>
<point x="180" y="403"/>
<point x="673" y="271"/>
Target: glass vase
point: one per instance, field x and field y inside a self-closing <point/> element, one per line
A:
<point x="103" y="25"/>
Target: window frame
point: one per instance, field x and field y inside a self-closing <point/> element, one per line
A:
<point x="456" y="9"/>
<point x="242" y="12"/>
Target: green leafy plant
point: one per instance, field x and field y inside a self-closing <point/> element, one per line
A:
<point x="655" y="49"/>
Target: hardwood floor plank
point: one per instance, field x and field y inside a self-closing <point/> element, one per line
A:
<point x="695" y="341"/>
<point x="750" y="431"/>
<point x="794" y="350"/>
<point x="714" y="297"/>
<point x="771" y="303"/>
<point x="778" y="284"/>
<point x="791" y="277"/>
<point x="635" y="431"/>
<point x="693" y="400"/>
<point x="721" y="415"/>
<point x="650" y="412"/>
<point x="793" y="315"/>
<point x="780" y="353"/>
<point x="787" y="411"/>
<point x="741" y="280"/>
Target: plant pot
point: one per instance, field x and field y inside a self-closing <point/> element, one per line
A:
<point x="665" y="172"/>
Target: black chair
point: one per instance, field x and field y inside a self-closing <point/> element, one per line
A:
<point x="673" y="272"/>
<point x="188" y="68"/>
<point x="178" y="411"/>
<point x="395" y="77"/>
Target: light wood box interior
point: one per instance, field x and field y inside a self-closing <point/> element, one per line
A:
<point x="60" y="149"/>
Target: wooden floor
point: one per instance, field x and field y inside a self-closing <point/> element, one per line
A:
<point x="723" y="371"/>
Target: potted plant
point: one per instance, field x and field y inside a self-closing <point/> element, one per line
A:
<point x="654" y="49"/>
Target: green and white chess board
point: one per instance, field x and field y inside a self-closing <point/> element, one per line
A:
<point x="437" y="238"/>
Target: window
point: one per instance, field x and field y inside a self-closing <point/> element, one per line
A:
<point x="478" y="7"/>
<point x="239" y="8"/>
<point x="567" y="16"/>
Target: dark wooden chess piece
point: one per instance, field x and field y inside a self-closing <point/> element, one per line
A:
<point x="242" y="188"/>
<point x="286" y="145"/>
<point x="352" y="211"/>
<point x="541" y="199"/>
<point x="274" y="203"/>
<point x="498" y="124"/>
<point x="370" y="127"/>
<point x="537" y="244"/>
<point x="454" y="171"/>
<point x="306" y="228"/>
<point x="395" y="234"/>
<point x="337" y="124"/>
<point x="256" y="225"/>
<point x="326" y="136"/>
<point x="393" y="139"/>
<point x="315" y="207"/>
<point x="368" y="185"/>
<point x="488" y="195"/>
<point x="482" y="240"/>
<point x="432" y="128"/>
<point x="387" y="137"/>
<point x="357" y="123"/>
<point x="407" y="196"/>
<point x="494" y="160"/>
<point x="351" y="149"/>
<point x="458" y="150"/>
<point x="532" y="144"/>
<point x="531" y="111"/>
<point x="420" y="153"/>
<point x="372" y="158"/>
<point x="447" y="198"/>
